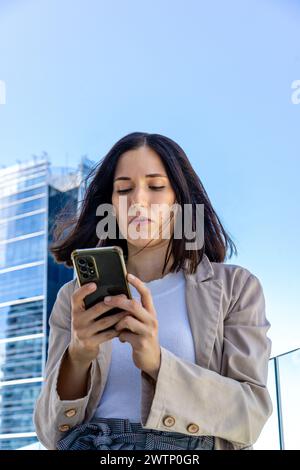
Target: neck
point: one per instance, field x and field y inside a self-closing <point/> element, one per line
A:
<point x="148" y="264"/>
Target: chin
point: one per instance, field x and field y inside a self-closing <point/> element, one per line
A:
<point x="141" y="242"/>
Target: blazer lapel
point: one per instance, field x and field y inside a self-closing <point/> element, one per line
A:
<point x="203" y="299"/>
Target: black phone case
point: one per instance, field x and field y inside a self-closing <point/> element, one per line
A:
<point x="106" y="267"/>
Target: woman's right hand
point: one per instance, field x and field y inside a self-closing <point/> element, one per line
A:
<point x="86" y="333"/>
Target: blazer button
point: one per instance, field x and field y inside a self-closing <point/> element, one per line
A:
<point x="193" y="428"/>
<point x="169" y="421"/>
<point x="70" y="413"/>
<point x="64" y="427"/>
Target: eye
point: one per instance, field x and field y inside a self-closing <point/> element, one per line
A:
<point x="156" y="188"/>
<point x="123" y="190"/>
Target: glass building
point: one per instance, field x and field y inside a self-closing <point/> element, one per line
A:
<point x="31" y="194"/>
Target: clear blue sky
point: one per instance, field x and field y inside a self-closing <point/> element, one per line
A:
<point x="215" y="76"/>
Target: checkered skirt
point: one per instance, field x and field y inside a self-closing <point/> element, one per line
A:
<point x="117" y="434"/>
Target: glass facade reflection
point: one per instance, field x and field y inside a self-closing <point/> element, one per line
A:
<point x="23" y="225"/>
<point x="17" y="402"/>
<point x="31" y="194"/>
<point x="24" y="207"/>
<point x="22" y="250"/>
<point x="21" y="283"/>
<point x="21" y="318"/>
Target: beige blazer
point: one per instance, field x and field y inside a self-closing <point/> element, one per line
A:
<point x="223" y="395"/>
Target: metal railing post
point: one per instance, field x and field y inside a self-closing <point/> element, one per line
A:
<point x="279" y="404"/>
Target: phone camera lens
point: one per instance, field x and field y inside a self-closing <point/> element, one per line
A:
<point x="81" y="261"/>
<point x="83" y="269"/>
<point x="85" y="275"/>
<point x="90" y="264"/>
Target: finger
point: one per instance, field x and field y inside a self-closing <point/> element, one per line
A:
<point x="144" y="291"/>
<point x="99" y="309"/>
<point x="131" y="338"/>
<point x="131" y="305"/>
<point x="132" y="324"/>
<point x="103" y="336"/>
<point x="106" y="322"/>
<point x="80" y="293"/>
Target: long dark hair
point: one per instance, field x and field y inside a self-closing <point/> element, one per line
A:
<point x="186" y="185"/>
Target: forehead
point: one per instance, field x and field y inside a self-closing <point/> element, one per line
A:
<point x="139" y="162"/>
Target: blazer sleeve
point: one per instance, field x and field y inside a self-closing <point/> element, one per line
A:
<point x="50" y="412"/>
<point x="233" y="405"/>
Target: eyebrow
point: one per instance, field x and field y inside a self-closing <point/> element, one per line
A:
<point x="151" y="175"/>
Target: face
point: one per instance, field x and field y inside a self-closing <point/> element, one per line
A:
<point x="137" y="194"/>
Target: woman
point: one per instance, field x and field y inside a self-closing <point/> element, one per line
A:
<point x="184" y="365"/>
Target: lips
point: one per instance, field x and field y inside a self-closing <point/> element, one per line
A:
<point x="140" y="219"/>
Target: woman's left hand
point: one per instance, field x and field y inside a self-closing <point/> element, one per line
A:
<point x="142" y="324"/>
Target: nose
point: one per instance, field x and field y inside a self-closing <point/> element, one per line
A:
<point x="138" y="200"/>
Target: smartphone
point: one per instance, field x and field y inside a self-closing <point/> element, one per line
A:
<point x="106" y="267"/>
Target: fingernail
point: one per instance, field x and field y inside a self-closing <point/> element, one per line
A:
<point x="131" y="276"/>
<point x="107" y="299"/>
<point x="92" y="286"/>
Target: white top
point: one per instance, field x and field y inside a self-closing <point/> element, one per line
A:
<point x="121" y="397"/>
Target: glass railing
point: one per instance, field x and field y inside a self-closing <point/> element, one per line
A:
<point x="281" y="430"/>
